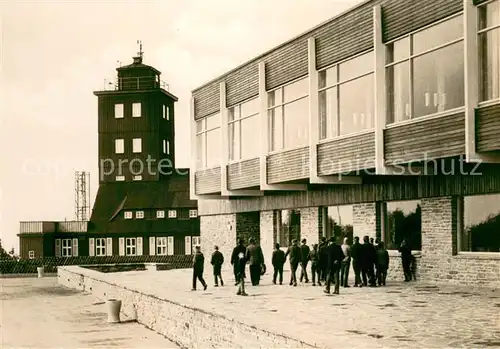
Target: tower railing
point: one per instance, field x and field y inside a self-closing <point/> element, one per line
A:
<point x="135" y="83"/>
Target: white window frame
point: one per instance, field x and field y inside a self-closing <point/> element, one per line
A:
<point x="119" y="111"/>
<point x="237" y="126"/>
<point x="119" y="146"/>
<point x="31" y="254"/>
<point x="193" y="213"/>
<point x="338" y="84"/>
<point x="166" y="147"/>
<point x="411" y="57"/>
<point x="161" y="246"/>
<point x="139" y="215"/>
<point x="131" y="246"/>
<point x="481" y="32"/>
<point x="66" y="251"/>
<point x="100" y="246"/>
<point x="136" y="110"/>
<point x="166" y="112"/>
<point x="137" y="178"/>
<point x="120" y="178"/>
<point x="128" y="215"/>
<point x="160" y="214"/>
<point x="203" y="133"/>
<point x="281" y="148"/>
<point x="196" y="241"/>
<point x="172" y="214"/>
<point x="137" y="145"/>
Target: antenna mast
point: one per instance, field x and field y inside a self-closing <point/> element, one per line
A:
<point x="140" y="53"/>
<point x="82" y="195"/>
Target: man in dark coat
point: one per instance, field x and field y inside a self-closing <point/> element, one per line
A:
<point x="315" y="267"/>
<point x="198" y="264"/>
<point x="356" y="261"/>
<point x="335" y="258"/>
<point x="234" y="258"/>
<point x="295" y="258"/>
<point x="323" y="257"/>
<point x="217" y="261"/>
<point x="382" y="263"/>
<point x="255" y="259"/>
<point x="278" y="260"/>
<point x="304" y="251"/>
<point x="406" y="259"/>
<point x="369" y="257"/>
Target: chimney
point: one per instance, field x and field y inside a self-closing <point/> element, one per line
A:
<point x="138" y="60"/>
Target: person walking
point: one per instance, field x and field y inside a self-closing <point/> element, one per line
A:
<point x="239" y="268"/>
<point x="356" y="255"/>
<point x="382" y="263"/>
<point x="406" y="258"/>
<point x="323" y="258"/>
<point x="217" y="261"/>
<point x="304" y="252"/>
<point x="368" y="259"/>
<point x="346" y="264"/>
<point x="255" y="258"/>
<point x="278" y="260"/>
<point x="315" y="267"/>
<point x="335" y="258"/>
<point x="295" y="258"/>
<point x="198" y="264"/>
<point x="240" y="248"/>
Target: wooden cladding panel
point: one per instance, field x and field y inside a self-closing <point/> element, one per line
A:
<point x="374" y="188"/>
<point x="441" y="137"/>
<point x="345" y="36"/>
<point x="288" y="166"/>
<point x="242" y="84"/>
<point x="488" y="128"/>
<point x="207" y="100"/>
<point x="402" y="17"/>
<point x="208" y="181"/>
<point x="347" y="154"/>
<point x="244" y="174"/>
<point x="287" y="63"/>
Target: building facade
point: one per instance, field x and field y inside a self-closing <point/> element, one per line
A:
<point x="142" y="205"/>
<point x="384" y="121"/>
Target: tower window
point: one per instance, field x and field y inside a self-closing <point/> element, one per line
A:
<point x="172" y="214"/>
<point x="137" y="178"/>
<point x="119" y="146"/>
<point x="193" y="213"/>
<point x="119" y="111"/>
<point x="136" y="110"/>
<point x="128" y="215"/>
<point x="160" y="214"/>
<point x="139" y="214"/>
<point x="119" y="178"/>
<point x="137" y="145"/>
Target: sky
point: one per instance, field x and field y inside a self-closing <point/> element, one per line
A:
<point x="54" y="54"/>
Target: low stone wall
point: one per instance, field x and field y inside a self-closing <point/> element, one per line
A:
<point x="187" y="326"/>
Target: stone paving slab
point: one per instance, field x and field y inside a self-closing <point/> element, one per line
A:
<point x="38" y="313"/>
<point x="409" y="315"/>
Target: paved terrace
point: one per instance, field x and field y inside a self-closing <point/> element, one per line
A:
<point x="38" y="313"/>
<point x="400" y="315"/>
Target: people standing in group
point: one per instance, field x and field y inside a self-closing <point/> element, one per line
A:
<point x="369" y="256"/>
<point x="278" y="260"/>
<point x="406" y="259"/>
<point x="315" y="265"/>
<point x="255" y="258"/>
<point x="382" y="263"/>
<point x="198" y="265"/>
<point x="239" y="268"/>
<point x="346" y="263"/>
<point x="323" y="258"/>
<point x="217" y="261"/>
<point x="304" y="251"/>
<point x="295" y="258"/>
<point x="357" y="261"/>
<point x="335" y="258"/>
<point x="240" y="248"/>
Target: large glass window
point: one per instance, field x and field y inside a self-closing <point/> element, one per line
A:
<point x="346" y="97"/>
<point x="425" y="71"/>
<point x="288" y="115"/>
<point x="100" y="246"/>
<point x="402" y="220"/>
<point x="286" y="226"/>
<point x="489" y="51"/>
<point x="208" y="141"/>
<point x="244" y="125"/>
<point x="480" y="231"/>
<point x="338" y="222"/>
<point x="130" y="246"/>
<point x="66" y="247"/>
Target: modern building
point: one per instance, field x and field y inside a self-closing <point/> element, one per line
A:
<point x="383" y="121"/>
<point x="142" y="205"/>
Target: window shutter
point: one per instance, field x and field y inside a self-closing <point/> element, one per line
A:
<point x="74" y="251"/>
<point x="121" y="246"/>
<point x="139" y="246"/>
<point x="109" y="246"/>
<point x="152" y="246"/>
<point x="187" y="244"/>
<point x="58" y="248"/>
<point x="170" y="245"/>
<point x="91" y="247"/>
